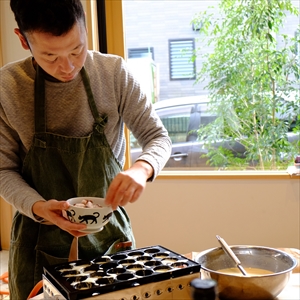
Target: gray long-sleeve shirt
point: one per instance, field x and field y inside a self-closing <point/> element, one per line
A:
<point x="117" y="94"/>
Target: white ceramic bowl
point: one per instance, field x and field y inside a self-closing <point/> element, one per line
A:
<point x="253" y="287"/>
<point x="95" y="218"/>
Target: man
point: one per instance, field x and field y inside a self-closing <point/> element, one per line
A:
<point x="61" y="118"/>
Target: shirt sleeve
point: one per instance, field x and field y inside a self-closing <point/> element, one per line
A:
<point x="13" y="188"/>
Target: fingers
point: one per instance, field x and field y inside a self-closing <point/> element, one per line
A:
<point x="54" y="211"/>
<point x="136" y="195"/>
<point x="45" y="209"/>
<point x="116" y="193"/>
<point x="124" y="189"/>
<point x="128" y="185"/>
<point x="73" y="228"/>
<point x="131" y="195"/>
<point x="77" y="233"/>
<point x="65" y="224"/>
<point x="125" y="197"/>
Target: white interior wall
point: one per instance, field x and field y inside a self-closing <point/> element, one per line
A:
<point x="11" y="47"/>
<point x="186" y="215"/>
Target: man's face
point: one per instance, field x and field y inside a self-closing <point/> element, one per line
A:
<point x="60" y="56"/>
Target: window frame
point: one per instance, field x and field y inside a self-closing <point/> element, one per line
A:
<point x="116" y="45"/>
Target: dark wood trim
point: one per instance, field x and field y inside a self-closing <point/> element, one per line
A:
<point x="102" y="26"/>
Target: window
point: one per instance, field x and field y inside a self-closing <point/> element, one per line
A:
<point x="141" y="53"/>
<point x="180" y="58"/>
<point x="151" y="19"/>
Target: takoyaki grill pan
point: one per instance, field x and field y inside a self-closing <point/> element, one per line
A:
<point x="82" y="279"/>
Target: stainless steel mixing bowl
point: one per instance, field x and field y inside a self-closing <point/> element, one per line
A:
<point x="239" y="287"/>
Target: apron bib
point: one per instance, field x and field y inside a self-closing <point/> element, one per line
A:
<point x="61" y="167"/>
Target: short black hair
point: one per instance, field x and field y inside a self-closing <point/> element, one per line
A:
<point x="56" y="17"/>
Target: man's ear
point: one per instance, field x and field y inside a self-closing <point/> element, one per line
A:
<point x="22" y="39"/>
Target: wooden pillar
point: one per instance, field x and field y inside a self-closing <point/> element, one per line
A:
<point x="5" y="224"/>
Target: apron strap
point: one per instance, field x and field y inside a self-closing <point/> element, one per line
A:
<point x="39" y="101"/>
<point x="73" y="255"/>
<point x="92" y="103"/>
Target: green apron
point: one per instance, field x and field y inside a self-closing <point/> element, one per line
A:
<point x="61" y="167"/>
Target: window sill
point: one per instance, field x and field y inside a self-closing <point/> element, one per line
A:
<point x="192" y="174"/>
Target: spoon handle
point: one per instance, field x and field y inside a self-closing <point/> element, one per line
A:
<point x="231" y="254"/>
<point x="242" y="269"/>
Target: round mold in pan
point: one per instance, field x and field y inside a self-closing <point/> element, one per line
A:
<point x="135" y="267"/>
<point x="84" y="285"/>
<point x="143" y="258"/>
<point x="127" y="262"/>
<point x="152" y="263"/>
<point x="101" y="260"/>
<point x="135" y="254"/>
<point x="70" y="273"/>
<point x="105" y="281"/>
<point x="179" y="265"/>
<point x="169" y="260"/>
<point x="90" y="269"/>
<point x="79" y="278"/>
<point x="152" y="250"/>
<point x="116" y="271"/>
<point x="160" y="255"/>
<point x="109" y="265"/>
<point x="118" y="256"/>
<point x="125" y="276"/>
<point x="81" y="264"/>
<point x="98" y="274"/>
<point x="162" y="269"/>
<point x="143" y="273"/>
<point x="64" y="267"/>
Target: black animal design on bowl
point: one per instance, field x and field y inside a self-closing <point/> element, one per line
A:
<point x="95" y="216"/>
